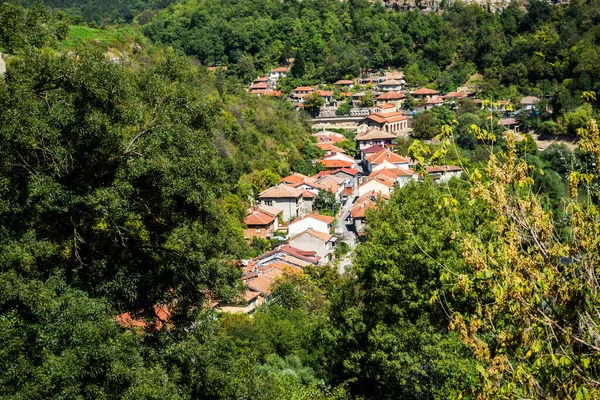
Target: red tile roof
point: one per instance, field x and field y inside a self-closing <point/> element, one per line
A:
<point x="304" y="89"/>
<point x="424" y="91"/>
<point x="336" y="163"/>
<point x="307" y="194"/>
<point x="294" y="178"/>
<point x="381" y="118"/>
<point x="373" y="149"/>
<point x="343" y="82"/>
<point x="435" y="101"/>
<point x="325" y="93"/>
<point x="281" y="191"/>
<point x="280" y="69"/>
<point x="162" y="316"/>
<point x="392" y="95"/>
<point x="388" y="156"/>
<point x="386" y="106"/>
<point x="260" y="85"/>
<point x="329" y="146"/>
<point x="257" y="218"/>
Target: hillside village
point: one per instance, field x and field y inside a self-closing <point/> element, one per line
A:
<point x="285" y="213"/>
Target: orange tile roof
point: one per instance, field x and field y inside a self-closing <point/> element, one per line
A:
<point x="343" y="82"/>
<point x="259" y="218"/>
<point x="260" y="85"/>
<point x="435" y="101"/>
<point x="425" y="91"/>
<point x="325" y="237"/>
<point x="162" y="316"/>
<point x="388" y="117"/>
<point x="281" y="191"/>
<point x="360" y="210"/>
<point x="275" y="93"/>
<point x="392" y="95"/>
<point x="386" y="106"/>
<point x="280" y="69"/>
<point x="303" y="89"/>
<point x="336" y="163"/>
<point x="262" y="79"/>
<point x="386" y="155"/>
<point x="307" y="194"/>
<point x="294" y="178"/>
<point x="329" y="146"/>
<point x="325" y="93"/>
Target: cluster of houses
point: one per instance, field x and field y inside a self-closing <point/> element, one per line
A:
<point x="285" y="211"/>
<point x="389" y="91"/>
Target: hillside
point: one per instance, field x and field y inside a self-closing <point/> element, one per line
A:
<point x="458" y="263"/>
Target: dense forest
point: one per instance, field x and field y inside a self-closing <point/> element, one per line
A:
<point x="543" y="50"/>
<point x="123" y="185"/>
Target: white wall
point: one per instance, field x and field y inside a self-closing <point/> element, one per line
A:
<point x="308" y="223"/>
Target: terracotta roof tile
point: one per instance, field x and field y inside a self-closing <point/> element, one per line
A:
<point x="374" y="134"/>
<point x="281" y="191"/>
<point x="259" y="218"/>
<point x="387" y="155"/>
<point x="425" y="91"/>
<point x="392" y="95"/>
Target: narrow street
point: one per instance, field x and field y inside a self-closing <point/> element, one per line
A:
<point x="347" y="236"/>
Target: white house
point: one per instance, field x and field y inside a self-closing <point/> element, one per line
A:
<point x="320" y="223"/>
<point x="280" y="72"/>
<point x="311" y="240"/>
<point x="285" y="198"/>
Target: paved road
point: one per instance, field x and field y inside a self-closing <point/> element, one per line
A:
<point x="347" y="236"/>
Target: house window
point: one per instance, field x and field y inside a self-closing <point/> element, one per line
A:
<point x="257" y="230"/>
<point x="268" y="203"/>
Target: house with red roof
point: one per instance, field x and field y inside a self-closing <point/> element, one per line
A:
<point x="327" y="95"/>
<point x="425" y="94"/>
<point x="344" y="84"/>
<point x="391" y="97"/>
<point x="321" y="223"/>
<point x="300" y="93"/>
<point x="279" y="72"/>
<point x="433" y="102"/>
<point x="329" y="148"/>
<point x="260" y="224"/>
<point x="389" y="122"/>
<point x="386" y="156"/>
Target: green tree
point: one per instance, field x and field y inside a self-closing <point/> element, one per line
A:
<point x="313" y="103"/>
<point x="325" y="203"/>
<point x="388" y="333"/>
<point x="424" y="125"/>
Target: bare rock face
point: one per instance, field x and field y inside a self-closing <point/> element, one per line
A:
<point x="2" y="65"/>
